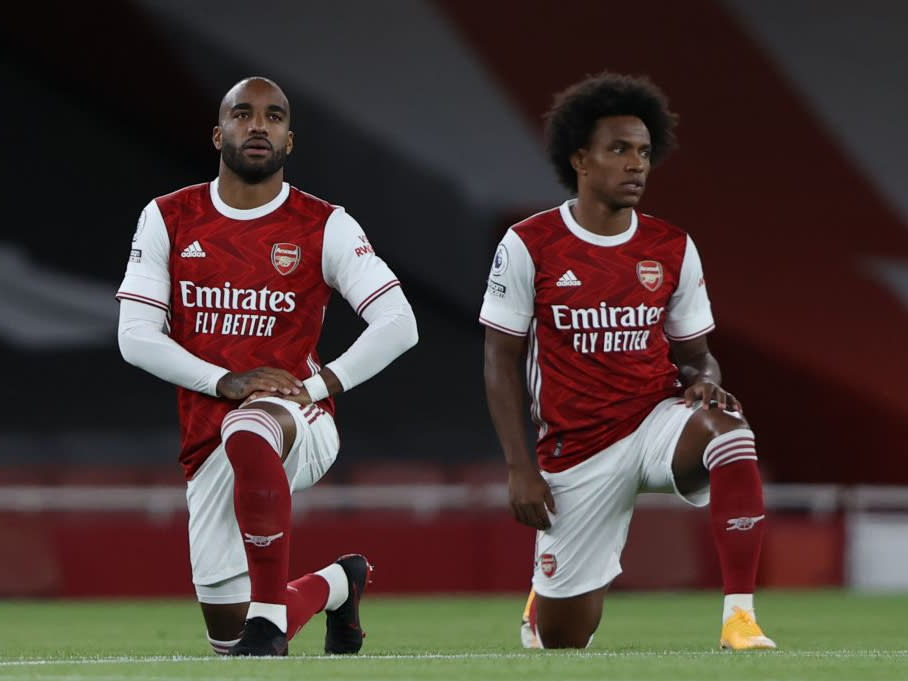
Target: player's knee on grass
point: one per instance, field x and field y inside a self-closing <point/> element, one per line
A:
<point x="560" y="638"/>
<point x="224" y="624"/>
<point x="568" y="622"/>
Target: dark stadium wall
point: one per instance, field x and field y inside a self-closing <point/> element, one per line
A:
<point x="110" y="115"/>
<point x="102" y="139"/>
<point x="783" y="220"/>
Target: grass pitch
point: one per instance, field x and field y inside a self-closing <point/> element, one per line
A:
<point x="823" y="635"/>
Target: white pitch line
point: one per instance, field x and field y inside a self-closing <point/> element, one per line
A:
<point x="459" y="656"/>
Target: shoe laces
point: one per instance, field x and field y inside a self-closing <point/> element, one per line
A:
<point x="747" y="625"/>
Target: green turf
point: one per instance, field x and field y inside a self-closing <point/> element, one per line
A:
<point x="824" y="635"/>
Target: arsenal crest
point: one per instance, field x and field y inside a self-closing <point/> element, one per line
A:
<point x="548" y="564"/>
<point x="649" y="272"/>
<point x="285" y="257"/>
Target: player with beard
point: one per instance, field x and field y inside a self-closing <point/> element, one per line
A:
<point x="224" y="296"/>
<point x="610" y="308"/>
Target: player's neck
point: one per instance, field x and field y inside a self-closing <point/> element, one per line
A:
<point x="600" y="218"/>
<point x="241" y="195"/>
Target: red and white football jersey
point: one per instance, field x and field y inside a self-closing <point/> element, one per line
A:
<point x="599" y="312"/>
<point x="247" y="288"/>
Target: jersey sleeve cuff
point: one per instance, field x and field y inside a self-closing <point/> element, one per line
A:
<point x="503" y="318"/>
<point x="684" y="335"/>
<point x="126" y="295"/>
<point x="502" y="328"/>
<point x="145" y="289"/>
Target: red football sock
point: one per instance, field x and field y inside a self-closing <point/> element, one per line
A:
<point x="261" y="499"/>
<point x="736" y="508"/>
<point x="305" y="597"/>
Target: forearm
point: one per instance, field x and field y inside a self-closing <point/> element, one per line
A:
<point x="505" y="398"/>
<point x="700" y="367"/>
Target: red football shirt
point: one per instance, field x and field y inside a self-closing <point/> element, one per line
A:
<point x="246" y="288"/>
<point x="598" y="312"/>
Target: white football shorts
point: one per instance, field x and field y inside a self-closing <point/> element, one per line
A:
<point x="215" y="543"/>
<point x="594" y="501"/>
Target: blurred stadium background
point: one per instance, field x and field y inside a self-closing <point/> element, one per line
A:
<point x="423" y="118"/>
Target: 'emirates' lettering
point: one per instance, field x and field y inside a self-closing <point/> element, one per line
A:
<point x="228" y="298"/>
<point x="605" y="316"/>
<point x="627" y="321"/>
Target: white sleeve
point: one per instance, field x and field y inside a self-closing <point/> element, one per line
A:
<point x="689" y="314"/>
<point x="144" y="344"/>
<point x="147" y="278"/>
<point x="349" y="264"/>
<point x="508" y="303"/>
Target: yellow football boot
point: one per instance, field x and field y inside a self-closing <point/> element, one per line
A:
<point x="741" y="632"/>
<point x="528" y="636"/>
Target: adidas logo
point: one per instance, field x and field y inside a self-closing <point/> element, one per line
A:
<point x="568" y="279"/>
<point x="193" y="250"/>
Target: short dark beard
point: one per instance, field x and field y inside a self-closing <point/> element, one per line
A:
<point x="248" y="172"/>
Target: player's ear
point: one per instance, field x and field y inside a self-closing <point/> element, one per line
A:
<point x="289" y="142"/>
<point x="578" y="161"/>
<point x="217" y="138"/>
